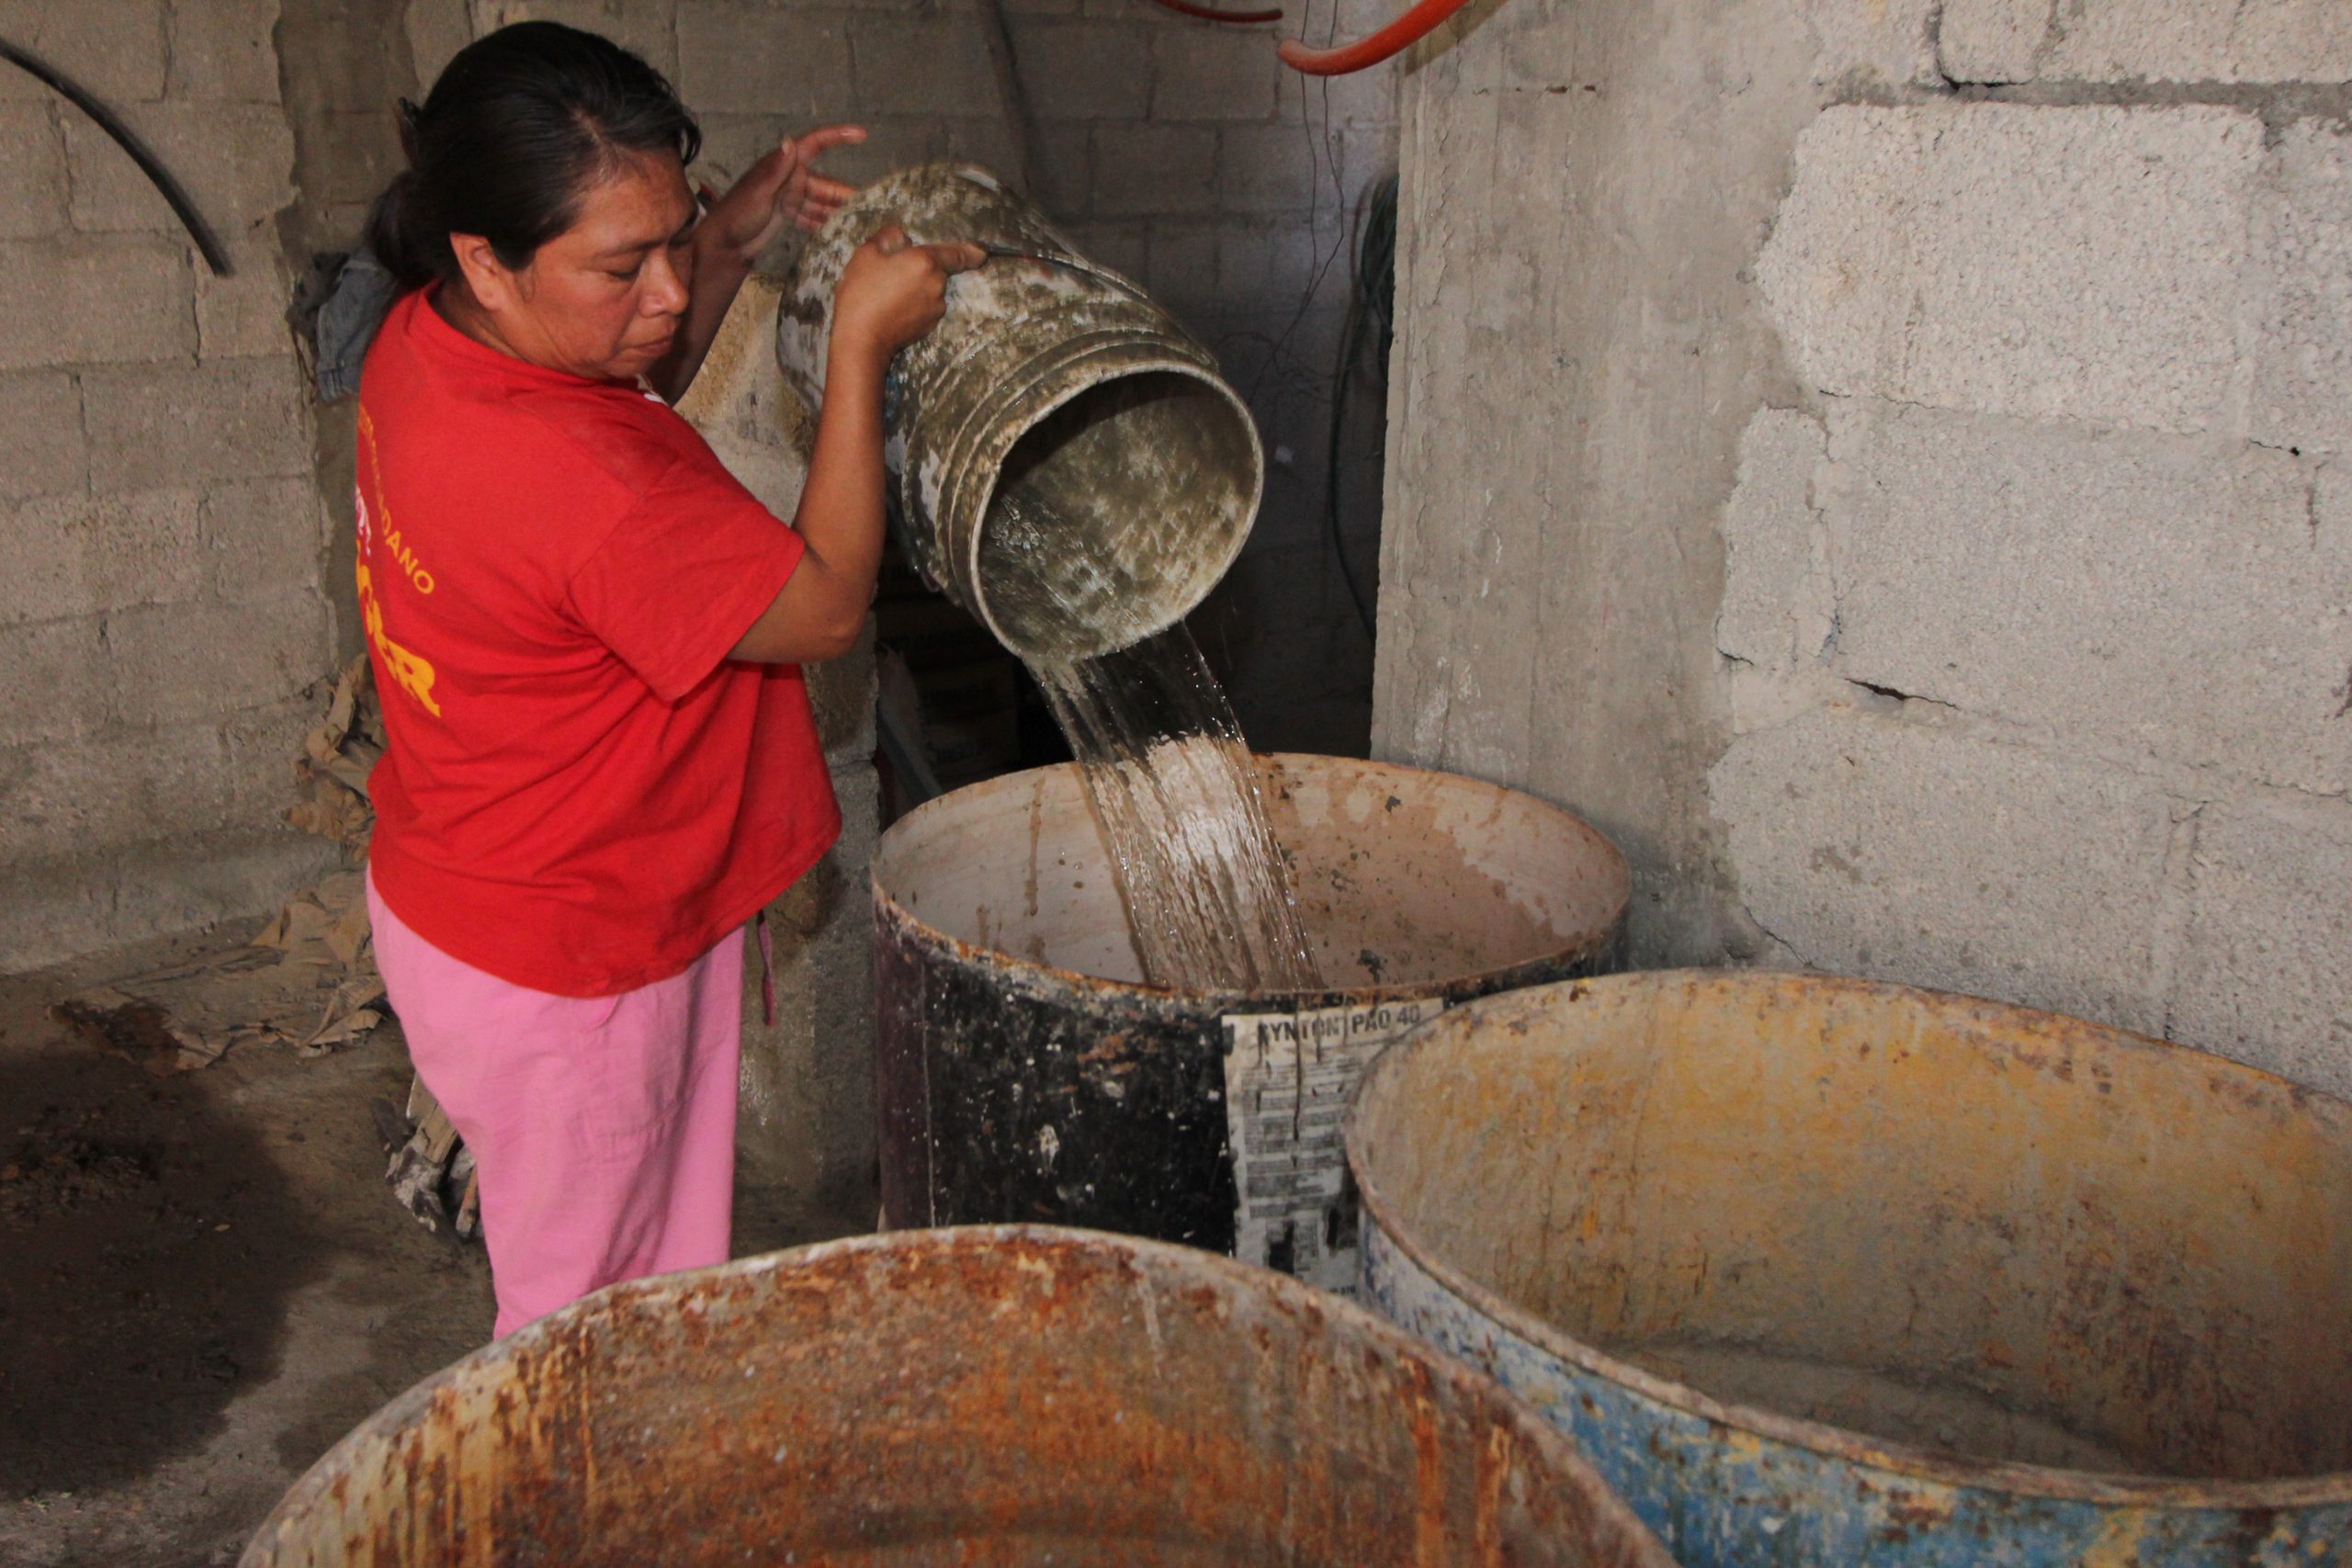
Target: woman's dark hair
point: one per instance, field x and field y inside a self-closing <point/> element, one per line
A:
<point x="521" y="123"/>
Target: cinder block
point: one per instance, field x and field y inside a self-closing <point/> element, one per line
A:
<point x="935" y="64"/>
<point x="733" y="142"/>
<point x="1124" y="248"/>
<point x="2154" y="40"/>
<point x="244" y="314"/>
<point x="357" y="152"/>
<point x="209" y="660"/>
<point x="79" y="555"/>
<point x="1260" y="266"/>
<point x="2140" y="592"/>
<point x="1203" y="75"/>
<point x="1366" y="152"/>
<point x="1361" y="98"/>
<point x="2302" y="370"/>
<point x="183" y="885"/>
<point x="262" y="536"/>
<point x="2081" y="263"/>
<point x="112" y="790"/>
<point x="2263" y="977"/>
<point x="1141" y="13"/>
<point x="1062" y="157"/>
<point x="58" y="684"/>
<point x="32" y="197"/>
<point x="1084" y="70"/>
<point x="1875" y="847"/>
<point x="1992" y="40"/>
<point x="1183" y="267"/>
<point x="222" y="51"/>
<point x="1274" y="168"/>
<point x="258" y="747"/>
<point x="236" y="160"/>
<point x="99" y="301"/>
<point x="1780" y="605"/>
<point x="436" y="29"/>
<point x="648" y="26"/>
<point x="226" y="418"/>
<point x="41" y="447"/>
<point x="115" y="48"/>
<point x="984" y="140"/>
<point x="763" y="60"/>
<point x="1877" y="41"/>
<point x="1152" y="169"/>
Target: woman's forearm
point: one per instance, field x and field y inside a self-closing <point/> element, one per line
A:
<point x="821" y="609"/>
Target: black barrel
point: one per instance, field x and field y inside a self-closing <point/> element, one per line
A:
<point x="1027" y="1074"/>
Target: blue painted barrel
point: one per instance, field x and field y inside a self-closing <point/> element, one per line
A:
<point x="1822" y="1271"/>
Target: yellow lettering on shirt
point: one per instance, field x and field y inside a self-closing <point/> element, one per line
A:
<point x="406" y="669"/>
<point x="417" y="574"/>
<point x="409" y="673"/>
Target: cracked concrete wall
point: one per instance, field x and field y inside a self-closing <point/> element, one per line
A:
<point x="1885" y="463"/>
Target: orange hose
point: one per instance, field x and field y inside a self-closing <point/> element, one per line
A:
<point x="1401" y="34"/>
<point x="1208" y="15"/>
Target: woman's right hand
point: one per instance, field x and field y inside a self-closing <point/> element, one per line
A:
<point x="894" y="290"/>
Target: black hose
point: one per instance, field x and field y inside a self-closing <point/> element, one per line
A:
<point x="1371" y="293"/>
<point x="149" y="164"/>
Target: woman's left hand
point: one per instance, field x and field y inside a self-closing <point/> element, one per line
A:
<point x="783" y="188"/>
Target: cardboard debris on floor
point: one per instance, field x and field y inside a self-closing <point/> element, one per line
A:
<point x="308" y="980"/>
<point x="432" y="1173"/>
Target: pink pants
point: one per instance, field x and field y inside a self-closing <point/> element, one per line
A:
<point x="602" y="1129"/>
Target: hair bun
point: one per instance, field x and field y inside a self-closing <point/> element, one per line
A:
<point x="411" y="118"/>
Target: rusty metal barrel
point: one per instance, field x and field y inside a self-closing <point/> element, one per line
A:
<point x="1000" y="1396"/>
<point x="1071" y="468"/>
<point x="1819" y="1270"/>
<point x="1027" y="1074"/>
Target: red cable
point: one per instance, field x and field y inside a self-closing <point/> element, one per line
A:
<point x="1208" y="15"/>
<point x="1401" y="34"/>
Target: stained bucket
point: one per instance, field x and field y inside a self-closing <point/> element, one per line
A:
<point x="1070" y="466"/>
<point x="1026" y="1074"/>
<point x="1004" y="1396"/>
<point x="1819" y="1272"/>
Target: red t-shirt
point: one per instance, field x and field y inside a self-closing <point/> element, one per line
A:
<point x="581" y="793"/>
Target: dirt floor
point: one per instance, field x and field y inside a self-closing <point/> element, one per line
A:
<point x="204" y="1282"/>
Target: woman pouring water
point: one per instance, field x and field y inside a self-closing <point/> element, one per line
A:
<point x="601" y="761"/>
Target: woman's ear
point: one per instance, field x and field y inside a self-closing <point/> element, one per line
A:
<point x="493" y="287"/>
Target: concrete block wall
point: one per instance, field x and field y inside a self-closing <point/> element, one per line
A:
<point x="1919" y="534"/>
<point x="162" y="540"/>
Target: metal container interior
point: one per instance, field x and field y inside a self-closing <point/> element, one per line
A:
<point x="1026" y="1073"/>
<point x="1407" y="879"/>
<point x="1072" y="467"/>
<point x="1809" y="1263"/>
<point x="1004" y="1396"/>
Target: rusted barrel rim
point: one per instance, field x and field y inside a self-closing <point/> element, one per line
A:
<point x="2035" y="1480"/>
<point x="1292" y="1298"/>
<point x="1508" y="976"/>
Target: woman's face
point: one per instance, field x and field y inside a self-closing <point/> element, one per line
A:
<point x="603" y="298"/>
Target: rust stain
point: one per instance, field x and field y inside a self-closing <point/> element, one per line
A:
<point x="956" y="1396"/>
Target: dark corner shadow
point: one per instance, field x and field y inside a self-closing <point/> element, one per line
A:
<point x="148" y="1248"/>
